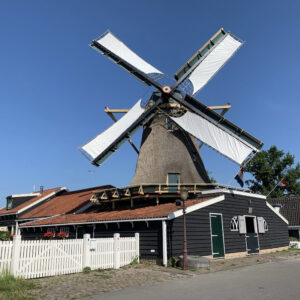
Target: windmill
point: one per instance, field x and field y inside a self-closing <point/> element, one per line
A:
<point x="172" y="119"/>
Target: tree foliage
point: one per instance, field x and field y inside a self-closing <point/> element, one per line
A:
<point x="268" y="168"/>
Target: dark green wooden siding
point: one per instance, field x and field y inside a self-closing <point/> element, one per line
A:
<point x="198" y="227"/>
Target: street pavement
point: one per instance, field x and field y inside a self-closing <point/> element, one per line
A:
<point x="275" y="280"/>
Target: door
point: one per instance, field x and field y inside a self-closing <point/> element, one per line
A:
<point x="251" y="235"/>
<point x="173" y="181"/>
<point x="217" y="238"/>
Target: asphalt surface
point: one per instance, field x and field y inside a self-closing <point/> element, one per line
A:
<point x="276" y="280"/>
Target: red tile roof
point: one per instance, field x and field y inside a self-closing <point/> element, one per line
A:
<point x="63" y="204"/>
<point x="148" y="212"/>
<point x="45" y="193"/>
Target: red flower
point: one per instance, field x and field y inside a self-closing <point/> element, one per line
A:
<point x="11" y="236"/>
<point x="61" y="235"/>
<point x="49" y="235"/>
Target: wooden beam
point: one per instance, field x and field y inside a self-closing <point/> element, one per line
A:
<point x="220" y="107"/>
<point x="110" y="113"/>
<point x="108" y="110"/>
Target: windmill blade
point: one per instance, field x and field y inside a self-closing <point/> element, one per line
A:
<point x="214" y="137"/>
<point x="206" y="62"/>
<point x="110" y="46"/>
<point x="106" y="143"/>
<point x="215" y="131"/>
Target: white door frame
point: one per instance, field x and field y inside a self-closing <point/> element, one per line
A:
<point x="256" y="231"/>
<point x="211" y="236"/>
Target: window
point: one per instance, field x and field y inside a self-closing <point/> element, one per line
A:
<point x="65" y="230"/>
<point x="51" y="229"/>
<point x="9" y="203"/>
<point x="173" y="181"/>
<point x="266" y="225"/>
<point x="169" y="124"/>
<point x="234" y="224"/>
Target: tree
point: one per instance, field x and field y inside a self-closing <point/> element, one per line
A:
<point x="268" y="168"/>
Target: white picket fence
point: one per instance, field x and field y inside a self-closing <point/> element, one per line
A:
<point x="42" y="258"/>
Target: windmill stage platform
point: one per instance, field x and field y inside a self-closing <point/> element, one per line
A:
<point x="160" y="193"/>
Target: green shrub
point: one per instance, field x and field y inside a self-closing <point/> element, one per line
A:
<point x="135" y="261"/>
<point x="172" y="262"/>
<point x="293" y="239"/>
<point x="4" y="235"/>
<point x="86" y="270"/>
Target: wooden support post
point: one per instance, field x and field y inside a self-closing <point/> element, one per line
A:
<point x="104" y="196"/>
<point x="141" y="191"/>
<point x="116" y="250"/>
<point x="131" y="202"/>
<point x="15" y="254"/>
<point x="164" y="243"/>
<point x="137" y="246"/>
<point x="127" y="193"/>
<point x="113" y="205"/>
<point x="157" y="201"/>
<point x="116" y="194"/>
<point x="86" y="251"/>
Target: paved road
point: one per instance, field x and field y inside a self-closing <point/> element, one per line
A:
<point x="276" y="280"/>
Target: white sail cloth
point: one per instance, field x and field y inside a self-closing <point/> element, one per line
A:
<point x="213" y="62"/>
<point x="215" y="137"/>
<point x="113" y="44"/>
<point x="101" y="142"/>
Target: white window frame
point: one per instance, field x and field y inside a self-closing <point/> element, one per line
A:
<point x="266" y="226"/>
<point x="65" y="229"/>
<point x="51" y="229"/>
<point x="234" y="223"/>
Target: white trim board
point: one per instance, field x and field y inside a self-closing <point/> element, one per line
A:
<point x="194" y="207"/>
<point x="229" y="191"/>
<point x="92" y="222"/>
<point x="24" y="195"/>
<point x="277" y="213"/>
<point x="42" y="199"/>
<point x="83" y="208"/>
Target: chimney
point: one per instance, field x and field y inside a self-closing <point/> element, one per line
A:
<point x="41" y="189"/>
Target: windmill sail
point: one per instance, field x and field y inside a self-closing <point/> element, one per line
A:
<point x="215" y="137"/>
<point x="209" y="60"/>
<point x="99" y="145"/>
<point x="116" y="50"/>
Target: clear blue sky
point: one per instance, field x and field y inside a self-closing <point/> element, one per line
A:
<point x="53" y="87"/>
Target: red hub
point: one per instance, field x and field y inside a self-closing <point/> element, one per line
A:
<point x="166" y="89"/>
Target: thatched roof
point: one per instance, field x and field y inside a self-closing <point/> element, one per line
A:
<point x="163" y="151"/>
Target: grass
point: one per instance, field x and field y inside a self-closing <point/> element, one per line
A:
<point x="104" y="276"/>
<point x="13" y="288"/>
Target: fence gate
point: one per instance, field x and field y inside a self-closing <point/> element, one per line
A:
<point x="42" y="258"/>
<point x="49" y="258"/>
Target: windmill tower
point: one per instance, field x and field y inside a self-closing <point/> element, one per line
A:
<point x="172" y="118"/>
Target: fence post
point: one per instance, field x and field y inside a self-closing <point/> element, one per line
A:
<point x="86" y="255"/>
<point x="116" y="250"/>
<point x="137" y="246"/>
<point x="15" y="254"/>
